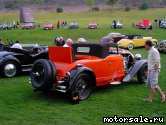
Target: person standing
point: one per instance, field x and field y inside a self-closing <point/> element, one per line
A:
<point x="58" y="24"/>
<point x="114" y="24"/>
<point x="62" y="41"/>
<point x="150" y="31"/>
<point x="1" y="44"/>
<point x="68" y="43"/>
<point x="153" y="72"/>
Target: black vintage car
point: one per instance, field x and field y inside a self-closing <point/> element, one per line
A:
<point x="13" y="61"/>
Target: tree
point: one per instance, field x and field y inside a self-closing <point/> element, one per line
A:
<point x="144" y="6"/>
<point x="90" y="3"/>
<point x="112" y="3"/>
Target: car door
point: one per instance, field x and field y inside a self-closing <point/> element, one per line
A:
<point x="115" y="67"/>
<point x="138" y="41"/>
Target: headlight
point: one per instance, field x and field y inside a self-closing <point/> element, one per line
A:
<point x="137" y="56"/>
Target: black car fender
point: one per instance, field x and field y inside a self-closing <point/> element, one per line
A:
<point x="78" y="70"/>
<point x="134" y="70"/>
<point x="8" y="58"/>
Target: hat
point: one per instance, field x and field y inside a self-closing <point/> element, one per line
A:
<point x="81" y="40"/>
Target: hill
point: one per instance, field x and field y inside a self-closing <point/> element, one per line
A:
<point x="73" y="5"/>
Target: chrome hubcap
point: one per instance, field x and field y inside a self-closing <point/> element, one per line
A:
<point x="10" y="70"/>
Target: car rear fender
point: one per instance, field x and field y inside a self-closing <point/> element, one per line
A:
<point x="134" y="70"/>
<point x="79" y="70"/>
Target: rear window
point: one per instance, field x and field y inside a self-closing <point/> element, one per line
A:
<point x="83" y="49"/>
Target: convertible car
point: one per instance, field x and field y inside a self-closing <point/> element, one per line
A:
<point x="112" y="37"/>
<point x="132" y="41"/>
<point x="73" y="25"/>
<point x="84" y="66"/>
<point x="48" y="26"/>
<point x="163" y="23"/>
<point x="118" y="24"/>
<point x="29" y="26"/>
<point x="13" y="61"/>
<point x="162" y="46"/>
<point x="93" y="25"/>
<point x="144" y="24"/>
<point x="6" y="26"/>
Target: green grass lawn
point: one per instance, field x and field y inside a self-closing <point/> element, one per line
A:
<point x="19" y="105"/>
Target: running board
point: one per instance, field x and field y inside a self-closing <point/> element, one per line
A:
<point x="115" y="83"/>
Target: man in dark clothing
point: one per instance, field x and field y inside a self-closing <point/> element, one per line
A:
<point x="1" y="44"/>
<point x="114" y="24"/>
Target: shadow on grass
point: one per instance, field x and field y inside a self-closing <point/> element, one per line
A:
<point x="51" y="96"/>
<point x="64" y="98"/>
<point x="118" y="86"/>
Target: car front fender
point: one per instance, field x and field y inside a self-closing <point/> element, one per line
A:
<point x="8" y="58"/>
<point x="134" y="70"/>
<point x="125" y="42"/>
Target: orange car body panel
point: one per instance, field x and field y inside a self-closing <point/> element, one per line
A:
<point x="107" y="70"/>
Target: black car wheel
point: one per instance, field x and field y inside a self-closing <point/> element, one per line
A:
<point x="43" y="74"/>
<point x="83" y="85"/>
<point x="9" y="69"/>
<point x="142" y="76"/>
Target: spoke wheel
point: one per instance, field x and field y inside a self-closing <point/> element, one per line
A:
<point x="83" y="85"/>
<point x="142" y="76"/>
<point x="130" y="46"/>
<point x="43" y="74"/>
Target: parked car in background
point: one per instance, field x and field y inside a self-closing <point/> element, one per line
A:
<point x="132" y="41"/>
<point x="163" y="23"/>
<point x="73" y="25"/>
<point x="28" y="26"/>
<point x="6" y="26"/>
<point x="118" y="24"/>
<point x="48" y="26"/>
<point x="144" y="24"/>
<point x="14" y="61"/>
<point x="93" y="25"/>
<point x="85" y="66"/>
<point x="112" y="37"/>
<point x="162" y="46"/>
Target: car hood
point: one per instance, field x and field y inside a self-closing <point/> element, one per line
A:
<point x="123" y="41"/>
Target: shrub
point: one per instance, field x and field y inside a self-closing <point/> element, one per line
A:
<point x="95" y="9"/>
<point x="127" y="8"/>
<point x="59" y="10"/>
<point x="11" y="5"/>
<point x="144" y="6"/>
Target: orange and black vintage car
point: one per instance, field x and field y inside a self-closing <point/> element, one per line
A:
<point x="85" y="66"/>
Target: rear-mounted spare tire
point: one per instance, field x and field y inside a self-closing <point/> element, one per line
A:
<point x="43" y="74"/>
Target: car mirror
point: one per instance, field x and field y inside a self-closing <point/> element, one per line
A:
<point x="137" y="56"/>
